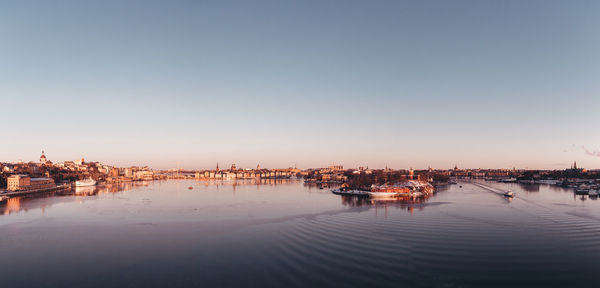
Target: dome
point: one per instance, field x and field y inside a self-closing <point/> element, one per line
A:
<point x="43" y="157"/>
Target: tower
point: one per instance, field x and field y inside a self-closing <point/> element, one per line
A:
<point x="217" y="166"/>
<point x="43" y="159"/>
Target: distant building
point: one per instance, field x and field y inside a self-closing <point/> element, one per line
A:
<point x="336" y="167"/>
<point x="144" y="175"/>
<point x="43" y="159"/>
<point x="18" y="182"/>
<point x="24" y="182"/>
<point x="574" y="168"/>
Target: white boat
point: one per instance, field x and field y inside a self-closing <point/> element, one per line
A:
<point x="593" y="193"/>
<point x="349" y="192"/>
<point x="85" y="182"/>
<point x="382" y="194"/>
<point x="509" y="194"/>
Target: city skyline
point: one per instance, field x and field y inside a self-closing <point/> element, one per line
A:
<point x="403" y="84"/>
<point x="227" y="166"/>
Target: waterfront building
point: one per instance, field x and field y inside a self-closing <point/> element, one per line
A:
<point x="24" y="182"/>
<point x="128" y="172"/>
<point x="41" y="183"/>
<point x="145" y="175"/>
<point x="18" y="182"/>
<point x="114" y="172"/>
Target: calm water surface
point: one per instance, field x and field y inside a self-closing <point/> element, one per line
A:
<point x="287" y="234"/>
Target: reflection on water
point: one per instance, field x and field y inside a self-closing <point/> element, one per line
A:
<point x="13" y="205"/>
<point x="406" y="203"/>
<point x="530" y="187"/>
<point x="282" y="233"/>
<point x="33" y="201"/>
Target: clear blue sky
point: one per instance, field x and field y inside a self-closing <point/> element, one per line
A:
<point x="311" y="83"/>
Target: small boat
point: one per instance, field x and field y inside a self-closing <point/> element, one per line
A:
<point x="593" y="193"/>
<point x="86" y="182"/>
<point x="190" y="188"/>
<point x="509" y="194"/>
<point x="349" y="192"/>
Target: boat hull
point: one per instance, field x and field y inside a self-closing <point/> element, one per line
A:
<point x="349" y="192"/>
<point x="85" y="183"/>
<point x="383" y="194"/>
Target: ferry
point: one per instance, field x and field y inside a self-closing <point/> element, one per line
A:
<point x="509" y="194"/>
<point x="86" y="182"/>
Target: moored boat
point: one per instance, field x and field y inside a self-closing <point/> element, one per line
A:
<point x="85" y="182"/>
<point x="382" y="194"/>
<point x="341" y="191"/>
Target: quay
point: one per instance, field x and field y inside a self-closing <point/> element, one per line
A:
<point x="35" y="191"/>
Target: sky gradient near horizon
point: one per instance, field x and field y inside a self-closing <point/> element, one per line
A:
<point x="484" y="84"/>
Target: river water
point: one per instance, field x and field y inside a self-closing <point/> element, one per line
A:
<point x="288" y="234"/>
